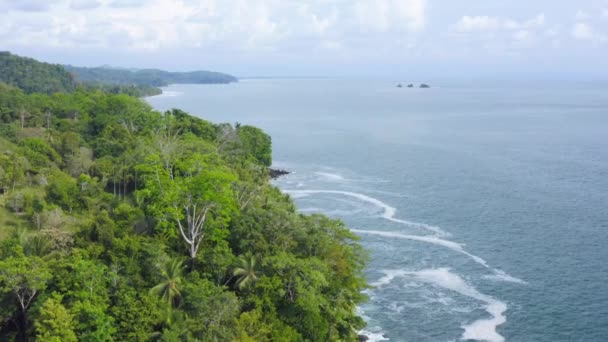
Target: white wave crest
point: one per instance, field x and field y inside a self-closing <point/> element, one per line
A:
<point x="310" y="210"/>
<point x="428" y="239"/>
<point x="373" y="337"/>
<point x="482" y="329"/>
<point x="389" y="212"/>
<point x="168" y="93"/>
<point x="296" y="195"/>
<point x="330" y="176"/>
<point x="500" y="275"/>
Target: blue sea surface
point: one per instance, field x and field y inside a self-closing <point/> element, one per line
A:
<point x="484" y="207"/>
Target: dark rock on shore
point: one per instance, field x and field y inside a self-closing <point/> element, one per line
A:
<point x="410" y="85"/>
<point x="363" y="338"/>
<point x="276" y="173"/>
<point x="424" y="85"/>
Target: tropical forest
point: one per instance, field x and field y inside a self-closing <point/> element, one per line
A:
<point x="122" y="223"/>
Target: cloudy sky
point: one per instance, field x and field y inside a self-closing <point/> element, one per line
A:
<point x="459" y="38"/>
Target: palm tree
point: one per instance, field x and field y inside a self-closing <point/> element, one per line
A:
<point x="172" y="272"/>
<point x="37" y="245"/>
<point x="245" y="273"/>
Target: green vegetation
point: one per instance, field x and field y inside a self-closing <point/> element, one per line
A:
<point x="33" y="76"/>
<point x="147" y="77"/>
<point x="120" y="223"/>
<point x="136" y="90"/>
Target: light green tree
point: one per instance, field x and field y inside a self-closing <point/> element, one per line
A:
<point x="55" y="323"/>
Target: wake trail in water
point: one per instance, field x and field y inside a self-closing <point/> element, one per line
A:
<point x="389" y="212"/>
<point x="482" y="329"/>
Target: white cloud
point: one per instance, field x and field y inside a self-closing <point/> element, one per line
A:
<point x="229" y="25"/>
<point x="488" y="23"/>
<point x="84" y="4"/>
<point x="604" y="13"/>
<point x="552" y="31"/>
<point x="582" y="15"/>
<point x="385" y="15"/>
<point x="478" y="23"/>
<point x="26" y="5"/>
<point x="521" y="36"/>
<point x="582" y="31"/>
<point x="127" y="3"/>
<point x="265" y="29"/>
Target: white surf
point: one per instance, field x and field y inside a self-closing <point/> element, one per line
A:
<point x="389" y="212"/>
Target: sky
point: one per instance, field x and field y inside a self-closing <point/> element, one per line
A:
<point x="422" y="38"/>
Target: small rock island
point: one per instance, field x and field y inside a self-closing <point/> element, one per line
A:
<point x="411" y="85"/>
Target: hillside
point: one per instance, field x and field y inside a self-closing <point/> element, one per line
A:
<point x="147" y="77"/>
<point x="121" y="223"/>
<point x="33" y="76"/>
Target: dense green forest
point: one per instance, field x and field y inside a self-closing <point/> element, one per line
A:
<point x="33" y="76"/>
<point x="120" y="223"/>
<point x="147" y="77"/>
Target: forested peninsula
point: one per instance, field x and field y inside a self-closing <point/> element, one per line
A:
<point x="121" y="223"/>
<point x="147" y="77"/>
<point x="33" y="76"/>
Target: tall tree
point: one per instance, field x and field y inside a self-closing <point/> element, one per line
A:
<point x="23" y="278"/>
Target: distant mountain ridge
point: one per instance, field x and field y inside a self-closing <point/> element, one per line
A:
<point x="147" y="77"/>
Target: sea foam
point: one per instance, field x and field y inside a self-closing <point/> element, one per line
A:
<point x="482" y="329"/>
<point x="389" y="212"/>
<point x="500" y="275"/>
<point x="428" y="239"/>
<point x="373" y="337"/>
<point x="168" y="93"/>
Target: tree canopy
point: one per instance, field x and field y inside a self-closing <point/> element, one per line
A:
<point x="121" y="223"/>
<point x="33" y="76"/>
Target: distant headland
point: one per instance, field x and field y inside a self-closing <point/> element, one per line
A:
<point x="33" y="76"/>
<point x="147" y="77"/>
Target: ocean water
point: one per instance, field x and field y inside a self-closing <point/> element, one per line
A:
<point x="484" y="207"/>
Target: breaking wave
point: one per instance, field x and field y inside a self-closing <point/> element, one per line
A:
<point x="481" y="329"/>
<point x="389" y="212"/>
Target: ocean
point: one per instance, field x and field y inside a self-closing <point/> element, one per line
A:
<point x="484" y="206"/>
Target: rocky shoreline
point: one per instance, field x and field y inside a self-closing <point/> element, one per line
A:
<point x="276" y="173"/>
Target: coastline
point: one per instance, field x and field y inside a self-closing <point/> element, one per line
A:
<point x="276" y="173"/>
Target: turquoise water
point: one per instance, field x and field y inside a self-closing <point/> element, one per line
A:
<point x="484" y="208"/>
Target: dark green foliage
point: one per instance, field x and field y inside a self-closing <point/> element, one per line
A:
<point x="136" y="90"/>
<point x="33" y="76"/>
<point x="256" y="143"/>
<point x="134" y="225"/>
